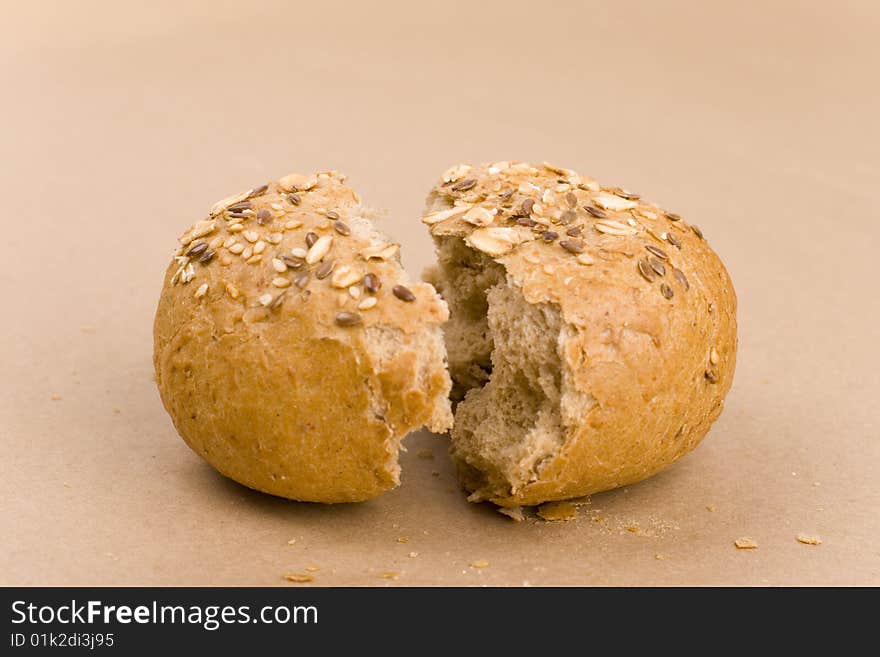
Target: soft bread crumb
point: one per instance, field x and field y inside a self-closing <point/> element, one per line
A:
<point x="552" y="511"/>
<point x="745" y="543"/>
<point x="512" y="512"/>
<point x="299" y="578"/>
<point x="479" y="563"/>
<point x="808" y="539"/>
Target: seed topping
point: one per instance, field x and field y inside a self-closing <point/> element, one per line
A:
<point x="403" y="293"/>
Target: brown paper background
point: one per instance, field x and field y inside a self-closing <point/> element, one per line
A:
<point x="122" y="124"/>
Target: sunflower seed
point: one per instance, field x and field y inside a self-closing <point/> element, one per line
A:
<point x="464" y="185"/>
<point x="549" y="235"/>
<point x="324" y="270"/>
<point x="672" y="216"/>
<point x="372" y="283"/>
<point x="207" y="256"/>
<point x="301" y="279"/>
<point x="294" y="198"/>
<point x="525" y="221"/>
<point x="341" y="228"/>
<point x="403" y="293"/>
<point x="277" y="301"/>
<point x="333" y="215"/>
<point x="681" y="278"/>
<point x="666" y="291"/>
<point x="697" y="231"/>
<point x="673" y="240"/>
<point x="264" y="217"/>
<point x="527" y="206"/>
<point x="348" y="319"/>
<point x="596" y="212"/>
<point x="646" y="271"/>
<point x="574" y="231"/>
<point x="571" y="199"/>
<point x="198" y="249"/>
<point x="311" y="238"/>
<point x="567" y="217"/>
<point x="657" y="266"/>
<point x="660" y="253"/>
<point x="291" y="262"/>
<point x="572" y="246"/>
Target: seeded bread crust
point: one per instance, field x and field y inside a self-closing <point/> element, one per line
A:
<point x="281" y="362"/>
<point x="648" y="310"/>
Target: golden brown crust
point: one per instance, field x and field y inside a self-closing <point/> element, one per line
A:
<point x="649" y="308"/>
<point x="270" y="371"/>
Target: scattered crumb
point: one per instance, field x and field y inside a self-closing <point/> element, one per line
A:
<point x="291" y="541"/>
<point x="808" y="539"/>
<point x="435" y="473"/>
<point x="313" y="569"/>
<point x="557" y="511"/>
<point x="112" y="556"/>
<point x="56" y="397"/>
<point x="425" y="454"/>
<point x="413" y="555"/>
<point x="710" y="508"/>
<point x="299" y="578"/>
<point x="816" y="483"/>
<point x="117" y="411"/>
<point x="512" y="512"/>
<point x="634" y="529"/>
<point x="745" y="543"/>
<point x="390" y="574"/>
<point x="67" y="485"/>
<point x="479" y="563"/>
<point x="659" y="557"/>
<point x="88" y="329"/>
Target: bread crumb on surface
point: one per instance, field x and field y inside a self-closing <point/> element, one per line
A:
<point x="745" y="543"/>
<point x="634" y="529"/>
<point x="479" y="563"/>
<point x="313" y="569"/>
<point x="390" y="574"/>
<point x="299" y="578"/>
<point x="291" y="541"/>
<point x="56" y="397"/>
<point x="403" y="539"/>
<point x="809" y="539"/>
<point x="659" y="557"/>
<point x="88" y="329"/>
<point x="425" y="454"/>
<point x="557" y="511"/>
<point x="413" y="555"/>
<point x="512" y="512"/>
<point x="710" y="507"/>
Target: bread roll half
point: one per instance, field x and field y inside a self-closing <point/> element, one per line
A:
<point x="592" y="336"/>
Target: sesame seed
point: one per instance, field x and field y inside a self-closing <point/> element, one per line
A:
<point x="713" y="356"/>
<point x="681" y="278"/>
<point x="596" y="212"/>
<point x="324" y="270"/>
<point x="301" y="280"/>
<point x="311" y="238"/>
<point x="586" y="259"/>
<point x="264" y="217"/>
<point x="367" y="303"/>
<point x="277" y="207"/>
<point x="711" y="376"/>
<point x="571" y="199"/>
<point x="197" y="249"/>
<point x="236" y="248"/>
<point x="217" y="242"/>
<point x="348" y="319"/>
<point x="247" y="253"/>
<point x="572" y="246"/>
<point x="527" y="206"/>
<point x="280" y="281"/>
<point x="464" y="185"/>
<point x="299" y="252"/>
<point x="372" y="283"/>
<point x="275" y="238"/>
<point x="549" y="235"/>
<point x="251" y="236"/>
<point x="232" y="291"/>
<point x="235" y="228"/>
<point x="666" y="291"/>
<point x="657" y="266"/>
<point x="294" y="198"/>
<point x="354" y="291"/>
<point x="341" y="227"/>
<point x="403" y="293"/>
<point x="255" y="259"/>
<point x="697" y="231"/>
<point x="278" y="265"/>
<point x="202" y="291"/>
<point x="259" y="247"/>
<point x="660" y="253"/>
<point x="646" y="271"/>
<point x="265" y="299"/>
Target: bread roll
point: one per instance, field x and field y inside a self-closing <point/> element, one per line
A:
<point x="292" y="351"/>
<point x="592" y="336"/>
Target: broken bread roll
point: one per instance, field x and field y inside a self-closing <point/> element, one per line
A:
<point x="592" y="335"/>
<point x="291" y="349"/>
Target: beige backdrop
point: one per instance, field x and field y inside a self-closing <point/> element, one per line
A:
<point x="121" y="125"/>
